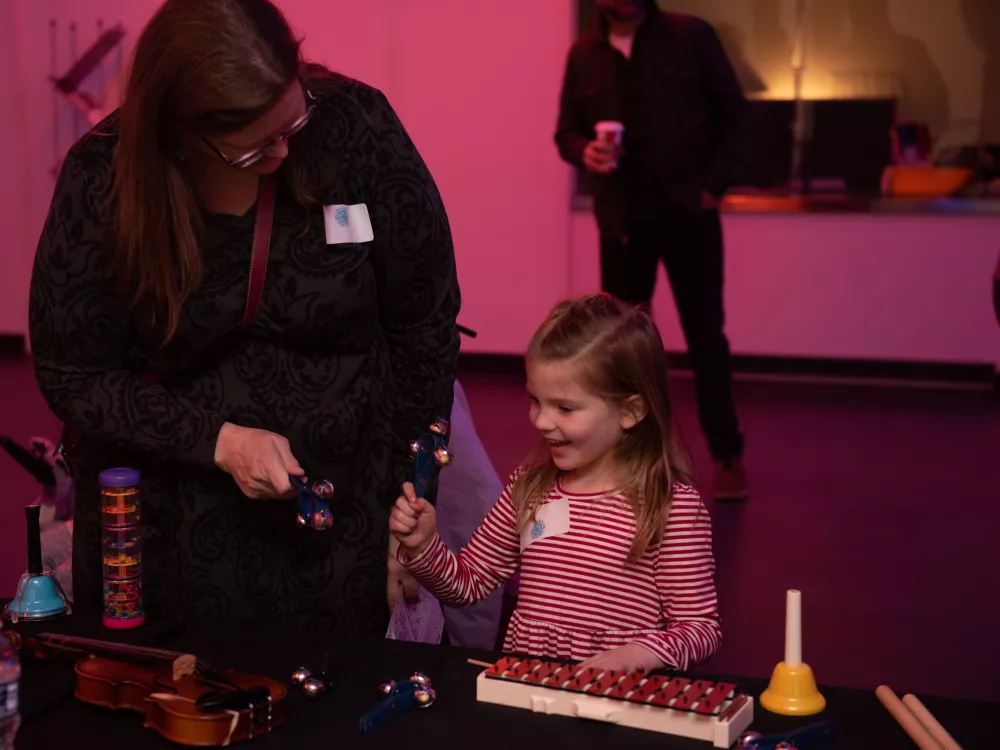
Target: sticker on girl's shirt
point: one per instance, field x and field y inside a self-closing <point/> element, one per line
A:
<point x="347" y="224"/>
<point x="551" y="519"/>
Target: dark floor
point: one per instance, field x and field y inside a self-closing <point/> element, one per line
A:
<point x="881" y="505"/>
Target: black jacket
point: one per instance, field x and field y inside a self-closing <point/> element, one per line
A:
<point x="679" y="99"/>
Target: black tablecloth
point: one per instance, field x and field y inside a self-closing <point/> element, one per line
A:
<point x="54" y="720"/>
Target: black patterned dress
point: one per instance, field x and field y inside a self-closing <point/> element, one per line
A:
<point x="352" y="355"/>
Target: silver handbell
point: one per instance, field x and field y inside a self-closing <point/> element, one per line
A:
<point x="440" y="427"/>
<point x="443" y="456"/>
<point x="300" y="675"/>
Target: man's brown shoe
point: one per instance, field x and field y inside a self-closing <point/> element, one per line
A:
<point x="731" y="480"/>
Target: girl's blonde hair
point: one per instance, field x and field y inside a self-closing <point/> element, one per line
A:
<point x="619" y="354"/>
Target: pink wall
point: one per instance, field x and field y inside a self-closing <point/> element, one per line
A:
<point x="476" y="85"/>
<point x="844" y="286"/>
<point x="13" y="178"/>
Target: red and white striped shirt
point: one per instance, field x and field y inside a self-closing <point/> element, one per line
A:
<point x="578" y="594"/>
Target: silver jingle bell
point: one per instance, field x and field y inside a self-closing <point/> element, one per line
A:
<point x="425" y="698"/>
<point x="421" y="679"/>
<point x="440" y="427"/>
<point x="301" y="520"/>
<point x="442" y="456"/>
<point x="386" y="687"/>
<point x="313" y="688"/>
<point x="323" y="489"/>
<point x="300" y="675"/>
<point x="748" y="740"/>
<point x="322" y="520"/>
<point x="415" y="447"/>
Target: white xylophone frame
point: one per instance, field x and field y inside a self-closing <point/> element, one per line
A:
<point x="722" y="727"/>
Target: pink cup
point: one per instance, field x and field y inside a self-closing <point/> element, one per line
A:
<point x="611" y="132"/>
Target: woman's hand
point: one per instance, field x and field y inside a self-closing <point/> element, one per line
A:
<point x="629" y="658"/>
<point x="259" y="461"/>
<point x="413" y="521"/>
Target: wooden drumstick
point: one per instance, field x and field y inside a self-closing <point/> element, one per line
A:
<point x="477" y="663"/>
<point x="906" y="720"/>
<point x="933" y="726"/>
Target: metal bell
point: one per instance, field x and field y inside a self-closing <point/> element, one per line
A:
<point x="440" y="427"/>
<point x="442" y="456"/>
<point x="323" y="489"/>
<point x="300" y="675"/>
<point x="301" y="520"/>
<point x="313" y="688"/>
<point x="748" y="740"/>
<point x="425" y="698"/>
<point x="415" y="447"/>
<point x="421" y="679"/>
<point x="386" y="687"/>
<point x="322" y="520"/>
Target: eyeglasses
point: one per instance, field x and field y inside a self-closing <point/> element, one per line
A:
<point x="252" y="157"/>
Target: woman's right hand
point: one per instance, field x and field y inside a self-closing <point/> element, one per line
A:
<point x="259" y="461"/>
<point x="413" y="521"/>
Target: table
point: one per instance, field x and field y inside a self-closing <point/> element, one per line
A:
<point x="52" y="720"/>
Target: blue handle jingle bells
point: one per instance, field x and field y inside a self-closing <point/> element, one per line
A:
<point x="415" y="692"/>
<point x="430" y="452"/>
<point x="801" y="739"/>
<point x="314" y="503"/>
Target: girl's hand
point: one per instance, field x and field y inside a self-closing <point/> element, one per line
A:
<point x="399" y="578"/>
<point x="259" y="461"/>
<point x="413" y="522"/>
<point x="629" y="658"/>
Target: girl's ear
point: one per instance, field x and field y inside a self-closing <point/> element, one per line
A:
<point x="633" y="411"/>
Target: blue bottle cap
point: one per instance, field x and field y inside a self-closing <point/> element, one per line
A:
<point x="119" y="477"/>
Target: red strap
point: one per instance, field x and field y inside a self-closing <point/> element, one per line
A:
<point x="259" y="251"/>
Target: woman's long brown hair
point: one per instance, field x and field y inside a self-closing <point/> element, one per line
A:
<point x="619" y="354"/>
<point x="200" y="67"/>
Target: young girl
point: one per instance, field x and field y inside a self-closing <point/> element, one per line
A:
<point x="614" y="545"/>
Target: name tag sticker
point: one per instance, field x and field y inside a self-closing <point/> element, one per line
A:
<point x="347" y="224"/>
<point x="551" y="519"/>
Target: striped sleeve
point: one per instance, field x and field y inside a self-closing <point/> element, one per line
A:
<point x="685" y="579"/>
<point x="483" y="565"/>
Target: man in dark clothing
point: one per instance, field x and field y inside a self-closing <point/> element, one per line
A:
<point x="666" y="78"/>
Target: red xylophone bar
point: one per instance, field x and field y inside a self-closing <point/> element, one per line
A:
<point x="678" y="693"/>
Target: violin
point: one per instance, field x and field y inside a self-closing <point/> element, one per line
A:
<point x="179" y="696"/>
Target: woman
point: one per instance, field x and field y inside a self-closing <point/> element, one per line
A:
<point x="142" y="281"/>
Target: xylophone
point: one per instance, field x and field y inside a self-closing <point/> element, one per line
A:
<point x="671" y="704"/>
